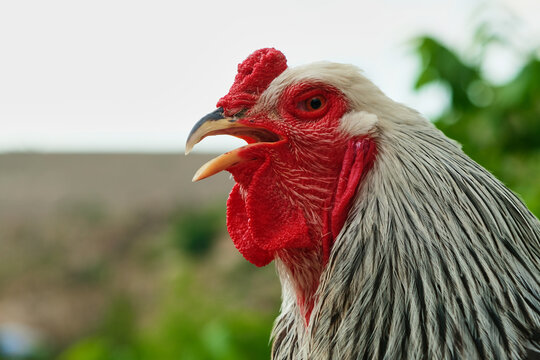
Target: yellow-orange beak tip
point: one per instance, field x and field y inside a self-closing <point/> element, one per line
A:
<point x="218" y="164"/>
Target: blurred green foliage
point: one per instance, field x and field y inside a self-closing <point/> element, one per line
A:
<point x="195" y="231"/>
<point x="115" y="338"/>
<point x="194" y="320"/>
<point x="497" y="124"/>
<point x="190" y="326"/>
<point x="195" y="326"/>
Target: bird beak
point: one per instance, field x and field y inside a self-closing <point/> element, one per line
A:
<point x="207" y="126"/>
<point x="216" y="123"/>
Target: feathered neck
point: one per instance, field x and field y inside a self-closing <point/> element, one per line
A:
<point x="437" y="260"/>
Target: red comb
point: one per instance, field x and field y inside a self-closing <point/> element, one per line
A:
<point x="254" y="76"/>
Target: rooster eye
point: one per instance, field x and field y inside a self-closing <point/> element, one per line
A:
<point x="315" y="103"/>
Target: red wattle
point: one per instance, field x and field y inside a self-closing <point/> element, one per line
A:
<point x="262" y="220"/>
<point x="275" y="222"/>
<point x="237" y="225"/>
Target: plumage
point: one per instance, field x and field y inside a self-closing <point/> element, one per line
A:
<point x="434" y="258"/>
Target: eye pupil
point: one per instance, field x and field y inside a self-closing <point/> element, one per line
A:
<point x="312" y="104"/>
<point x="315" y="103"/>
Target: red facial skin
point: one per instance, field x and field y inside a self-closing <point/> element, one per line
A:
<point x="292" y="196"/>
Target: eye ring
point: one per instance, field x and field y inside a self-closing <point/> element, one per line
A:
<point x="310" y="104"/>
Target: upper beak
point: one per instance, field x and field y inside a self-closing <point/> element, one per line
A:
<point x="216" y="123"/>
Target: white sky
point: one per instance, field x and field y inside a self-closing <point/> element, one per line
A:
<point x="136" y="75"/>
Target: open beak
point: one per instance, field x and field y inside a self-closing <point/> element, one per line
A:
<point x="216" y="123"/>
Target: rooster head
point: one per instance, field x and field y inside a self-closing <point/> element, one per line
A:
<point x="309" y="145"/>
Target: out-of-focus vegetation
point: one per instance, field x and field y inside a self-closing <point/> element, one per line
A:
<point x="155" y="295"/>
<point x="190" y="327"/>
<point x="497" y="124"/>
<point x="166" y="283"/>
<point x="124" y="263"/>
<point x="197" y="318"/>
<point x="195" y="231"/>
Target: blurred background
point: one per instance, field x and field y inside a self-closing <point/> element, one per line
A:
<point x="107" y="250"/>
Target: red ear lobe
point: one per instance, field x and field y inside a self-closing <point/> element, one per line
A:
<point x="357" y="161"/>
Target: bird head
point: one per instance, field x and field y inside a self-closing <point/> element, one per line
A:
<point x="311" y="136"/>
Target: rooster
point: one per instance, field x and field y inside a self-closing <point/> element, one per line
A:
<point x="389" y="242"/>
